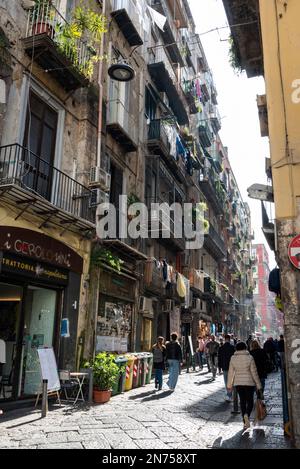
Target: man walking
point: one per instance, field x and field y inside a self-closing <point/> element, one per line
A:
<point x="174" y="357"/>
<point x="200" y="352"/>
<point x="212" y="349"/>
<point x="224" y="356"/>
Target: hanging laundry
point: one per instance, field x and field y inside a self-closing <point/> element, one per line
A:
<point x="198" y="89"/>
<point x="181" y="288"/>
<point x="157" y="18"/>
<point x="180" y="148"/>
<point x="172" y="137"/>
<point x="165" y="270"/>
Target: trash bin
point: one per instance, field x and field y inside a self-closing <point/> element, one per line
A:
<point x="129" y="372"/>
<point x="143" y="361"/>
<point x="119" y="385"/>
<point x="136" y="371"/>
<point x="149" y="365"/>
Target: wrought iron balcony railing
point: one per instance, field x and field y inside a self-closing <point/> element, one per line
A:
<point x="32" y="180"/>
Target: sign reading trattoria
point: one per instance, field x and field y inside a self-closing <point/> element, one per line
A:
<point x="39" y="247"/>
<point x="294" y="252"/>
<point x="34" y="270"/>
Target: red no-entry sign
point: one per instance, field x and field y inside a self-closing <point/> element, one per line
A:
<point x="294" y="252"/>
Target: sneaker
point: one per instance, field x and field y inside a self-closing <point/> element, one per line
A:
<point x="246" y="422"/>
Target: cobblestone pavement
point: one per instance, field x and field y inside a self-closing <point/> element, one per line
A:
<point x="195" y="416"/>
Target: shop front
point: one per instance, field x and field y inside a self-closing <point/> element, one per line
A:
<point x="116" y="312"/>
<point x="39" y="292"/>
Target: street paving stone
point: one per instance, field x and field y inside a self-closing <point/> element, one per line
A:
<point x="194" y="417"/>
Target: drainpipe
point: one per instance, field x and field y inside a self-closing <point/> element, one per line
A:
<point x="96" y="282"/>
<point x="100" y="73"/>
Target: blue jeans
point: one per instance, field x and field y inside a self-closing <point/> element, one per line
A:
<point x="200" y="359"/>
<point x="174" y="368"/>
<point x="158" y="378"/>
<point x="225" y="376"/>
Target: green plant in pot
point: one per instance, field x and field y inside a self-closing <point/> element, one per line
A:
<point x="41" y="16"/>
<point x="132" y="199"/>
<point x="105" y="373"/>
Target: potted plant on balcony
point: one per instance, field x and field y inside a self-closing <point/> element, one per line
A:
<point x="132" y="199"/>
<point x="102" y="256"/>
<point x="85" y="26"/>
<point x="41" y="18"/>
<point x="105" y="373"/>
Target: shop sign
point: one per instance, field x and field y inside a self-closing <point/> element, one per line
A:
<point x="294" y="252"/>
<point x="39" y="247"/>
<point x="34" y="270"/>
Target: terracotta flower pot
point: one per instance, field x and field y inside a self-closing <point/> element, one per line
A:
<point x="100" y="397"/>
<point x="42" y="28"/>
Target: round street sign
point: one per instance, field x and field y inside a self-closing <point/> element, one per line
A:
<point x="294" y="252"/>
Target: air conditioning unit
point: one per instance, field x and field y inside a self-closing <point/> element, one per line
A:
<point x="142" y="303"/>
<point x="98" y="197"/>
<point x="168" y="306"/>
<point x="100" y="178"/>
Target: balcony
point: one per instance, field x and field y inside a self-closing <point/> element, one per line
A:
<point x="205" y="135"/>
<point x="31" y="185"/>
<point x="178" y="12"/>
<point x="170" y="34"/>
<point x="246" y="37"/>
<point x="263" y="115"/>
<point x="189" y="89"/>
<point x="126" y="16"/>
<point x="215" y="119"/>
<point x="154" y="279"/>
<point x="69" y="61"/>
<point x="165" y="80"/>
<point x="214" y="244"/>
<point x="163" y="226"/>
<point x="207" y="182"/>
<point x="121" y="126"/>
<point x="158" y="142"/>
<point x="196" y="278"/>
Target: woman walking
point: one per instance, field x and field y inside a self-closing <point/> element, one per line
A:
<point x="261" y="362"/>
<point x="174" y="357"/>
<point x="243" y="374"/>
<point x="159" y="355"/>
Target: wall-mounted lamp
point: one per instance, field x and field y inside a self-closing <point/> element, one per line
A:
<point x="121" y="71"/>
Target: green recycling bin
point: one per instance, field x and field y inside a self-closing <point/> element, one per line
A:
<point x="119" y="385"/>
<point x="143" y="360"/>
<point x="149" y="367"/>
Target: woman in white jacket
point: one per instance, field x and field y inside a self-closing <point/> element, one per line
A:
<point x="243" y="374"/>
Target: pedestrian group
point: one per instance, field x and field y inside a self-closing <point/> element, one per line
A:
<point x="244" y="365"/>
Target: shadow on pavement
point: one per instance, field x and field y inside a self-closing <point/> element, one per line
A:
<point x="157" y="396"/>
<point x="206" y="381"/>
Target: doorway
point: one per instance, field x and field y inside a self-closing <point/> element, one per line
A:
<point x="10" y="316"/>
<point x="28" y="318"/>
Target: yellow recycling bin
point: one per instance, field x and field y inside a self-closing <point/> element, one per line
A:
<point x="129" y="372"/>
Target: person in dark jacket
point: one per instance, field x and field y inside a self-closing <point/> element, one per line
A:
<point x="269" y="348"/>
<point x="224" y="356"/>
<point x="159" y="354"/>
<point x="174" y="357"/>
<point x="261" y="362"/>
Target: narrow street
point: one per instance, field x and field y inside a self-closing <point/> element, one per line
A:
<point x="195" y="416"/>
